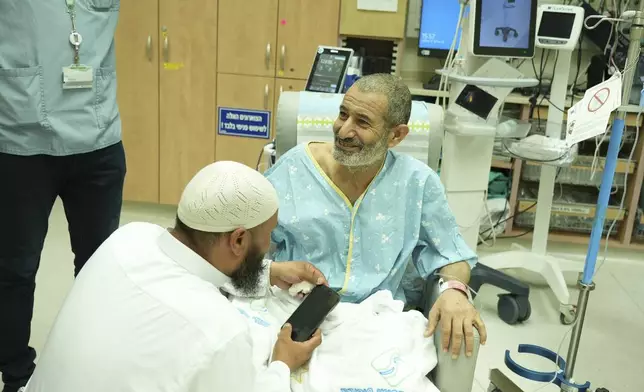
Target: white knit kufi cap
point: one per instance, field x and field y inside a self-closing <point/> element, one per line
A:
<point x="225" y="196"/>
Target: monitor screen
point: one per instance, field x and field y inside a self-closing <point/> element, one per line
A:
<point x="329" y="68"/>
<point x="556" y="24"/>
<point x="438" y="23"/>
<point x="505" y="28"/>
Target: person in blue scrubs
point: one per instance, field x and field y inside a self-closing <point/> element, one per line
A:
<point x="60" y="136"/>
<point x="372" y="219"/>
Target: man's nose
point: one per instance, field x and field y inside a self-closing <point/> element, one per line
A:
<point x="347" y="130"/>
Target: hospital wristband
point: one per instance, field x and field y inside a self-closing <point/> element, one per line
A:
<point x="456" y="285"/>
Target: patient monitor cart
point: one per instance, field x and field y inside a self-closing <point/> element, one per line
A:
<point x="559" y="29"/>
<point x="478" y="88"/>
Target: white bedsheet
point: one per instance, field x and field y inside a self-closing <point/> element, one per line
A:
<point x="369" y="347"/>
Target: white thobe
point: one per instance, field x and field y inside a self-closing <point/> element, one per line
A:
<point x="146" y="314"/>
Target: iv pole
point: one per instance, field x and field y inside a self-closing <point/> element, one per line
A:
<point x="586" y="283"/>
<point x="564" y="378"/>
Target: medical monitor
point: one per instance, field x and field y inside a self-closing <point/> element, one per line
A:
<point x="438" y="24"/>
<point x="503" y="28"/>
<point x="559" y="26"/>
<point x="329" y="69"/>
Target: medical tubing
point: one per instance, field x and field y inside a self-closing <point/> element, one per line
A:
<point x="602" y="201"/>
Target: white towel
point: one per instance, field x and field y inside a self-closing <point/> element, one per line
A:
<point x="371" y="346"/>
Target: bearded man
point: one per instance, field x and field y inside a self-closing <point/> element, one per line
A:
<point x="150" y="312"/>
<point x="372" y="219"/>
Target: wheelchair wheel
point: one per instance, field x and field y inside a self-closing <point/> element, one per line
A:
<point x="513" y="309"/>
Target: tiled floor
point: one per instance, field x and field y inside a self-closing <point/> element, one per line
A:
<point x="612" y="343"/>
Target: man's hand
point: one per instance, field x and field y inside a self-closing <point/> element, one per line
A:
<point x="457" y="316"/>
<point x="294" y="354"/>
<point x="284" y="274"/>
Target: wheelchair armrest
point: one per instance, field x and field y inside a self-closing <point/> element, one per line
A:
<point x="450" y="375"/>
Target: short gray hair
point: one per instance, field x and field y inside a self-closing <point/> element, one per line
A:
<point x="395" y="90"/>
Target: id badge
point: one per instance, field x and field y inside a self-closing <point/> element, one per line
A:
<point x="78" y="77"/>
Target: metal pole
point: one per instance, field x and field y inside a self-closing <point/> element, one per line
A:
<point x="575" y="338"/>
<point x="586" y="282"/>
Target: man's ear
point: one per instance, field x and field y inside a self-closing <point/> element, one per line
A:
<point x="398" y="134"/>
<point x="239" y="240"/>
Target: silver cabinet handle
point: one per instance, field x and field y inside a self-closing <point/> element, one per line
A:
<point x="281" y="89"/>
<point x="266" y="97"/>
<point x="283" y="58"/>
<point x="166" y="49"/>
<point x="268" y="56"/>
<point x="148" y="48"/>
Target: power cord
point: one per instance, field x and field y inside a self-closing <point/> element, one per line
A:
<point x="261" y="154"/>
<point x="451" y="57"/>
<point x="501" y="221"/>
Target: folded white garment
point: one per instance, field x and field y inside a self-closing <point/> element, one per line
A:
<point x="373" y="346"/>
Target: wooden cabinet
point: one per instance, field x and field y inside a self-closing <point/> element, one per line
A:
<point x="247" y="92"/>
<point x="179" y="61"/>
<point x="167" y="52"/>
<point x="274" y="38"/>
<point x="266" y="46"/>
<point x="303" y="25"/>
<point x="138" y="97"/>
<point x="247" y="39"/>
<point x="188" y="48"/>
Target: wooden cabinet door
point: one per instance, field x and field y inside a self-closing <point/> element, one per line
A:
<point x="138" y="97"/>
<point x="247" y="37"/>
<point x="303" y="25"/>
<point x="243" y="92"/>
<point x="282" y="85"/>
<point x="188" y="31"/>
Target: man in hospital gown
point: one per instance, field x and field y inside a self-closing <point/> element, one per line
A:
<point x="147" y="313"/>
<point x="370" y="218"/>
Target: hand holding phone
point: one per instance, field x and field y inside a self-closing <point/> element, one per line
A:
<point x="300" y="335"/>
<point x="308" y="317"/>
<point x="294" y="354"/>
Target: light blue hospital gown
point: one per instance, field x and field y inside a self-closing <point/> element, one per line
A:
<point x="402" y="216"/>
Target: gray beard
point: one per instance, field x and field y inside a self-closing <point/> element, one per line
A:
<point x="364" y="158"/>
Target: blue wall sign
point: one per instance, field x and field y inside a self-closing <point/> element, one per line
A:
<point x="244" y="123"/>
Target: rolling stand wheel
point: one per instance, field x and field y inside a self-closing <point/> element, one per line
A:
<point x="568" y="314"/>
<point x="513" y="308"/>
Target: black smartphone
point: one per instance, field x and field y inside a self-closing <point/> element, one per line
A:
<point x="311" y="313"/>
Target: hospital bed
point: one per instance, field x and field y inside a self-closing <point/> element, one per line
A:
<point x="306" y="116"/>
